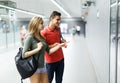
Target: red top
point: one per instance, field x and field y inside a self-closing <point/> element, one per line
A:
<point x="52" y="36"/>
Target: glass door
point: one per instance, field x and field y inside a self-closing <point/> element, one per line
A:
<point x="118" y="52"/>
<point x="115" y="42"/>
<point x="113" y="46"/>
<point x="112" y="1"/>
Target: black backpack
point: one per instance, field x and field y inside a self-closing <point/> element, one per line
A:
<point x="25" y="66"/>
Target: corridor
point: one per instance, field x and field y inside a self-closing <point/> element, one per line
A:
<point x="78" y="67"/>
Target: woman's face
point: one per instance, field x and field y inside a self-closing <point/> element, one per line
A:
<point x="41" y="26"/>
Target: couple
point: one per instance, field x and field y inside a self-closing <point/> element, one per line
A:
<point x="50" y="45"/>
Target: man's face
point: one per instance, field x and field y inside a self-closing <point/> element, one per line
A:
<point x="56" y="20"/>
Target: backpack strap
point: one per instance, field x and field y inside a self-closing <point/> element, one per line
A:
<point x="58" y="28"/>
<point x="21" y="80"/>
<point x="37" y="41"/>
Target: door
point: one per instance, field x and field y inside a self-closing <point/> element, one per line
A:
<point x="118" y="52"/>
<point x="115" y="42"/>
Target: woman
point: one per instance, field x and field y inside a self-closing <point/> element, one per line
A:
<point x="22" y="34"/>
<point x="38" y="49"/>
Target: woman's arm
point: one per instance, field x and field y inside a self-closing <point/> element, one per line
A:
<point x="53" y="45"/>
<point x="27" y="45"/>
<point x="55" y="48"/>
<point x="34" y="51"/>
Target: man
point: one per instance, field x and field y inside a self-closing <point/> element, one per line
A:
<point x="78" y="28"/>
<point x="55" y="61"/>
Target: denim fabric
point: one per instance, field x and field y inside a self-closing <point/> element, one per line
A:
<point x="57" y="68"/>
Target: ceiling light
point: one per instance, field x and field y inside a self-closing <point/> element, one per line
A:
<point x="20" y="10"/>
<point x="61" y="8"/>
<point x="114" y="4"/>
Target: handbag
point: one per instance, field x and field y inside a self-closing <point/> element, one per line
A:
<point x="26" y="66"/>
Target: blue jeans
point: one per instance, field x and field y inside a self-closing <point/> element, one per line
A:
<point x="57" y="68"/>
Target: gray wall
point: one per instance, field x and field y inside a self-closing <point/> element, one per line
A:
<point x="97" y="37"/>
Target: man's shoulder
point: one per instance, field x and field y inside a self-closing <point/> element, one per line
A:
<point x="45" y="29"/>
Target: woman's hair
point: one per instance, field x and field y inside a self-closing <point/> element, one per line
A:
<point x="33" y="26"/>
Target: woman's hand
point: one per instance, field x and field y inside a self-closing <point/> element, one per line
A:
<point x="58" y="45"/>
<point x="39" y="45"/>
<point x="63" y="44"/>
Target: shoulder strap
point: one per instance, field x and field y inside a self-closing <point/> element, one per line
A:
<point x="37" y="41"/>
<point x="21" y="80"/>
<point x="60" y="33"/>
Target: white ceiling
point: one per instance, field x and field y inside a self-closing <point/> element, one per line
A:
<point x="45" y="7"/>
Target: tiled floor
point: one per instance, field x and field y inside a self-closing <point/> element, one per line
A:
<point x="78" y="67"/>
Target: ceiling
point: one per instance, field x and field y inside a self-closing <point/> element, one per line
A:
<point x="45" y="7"/>
<point x="28" y="8"/>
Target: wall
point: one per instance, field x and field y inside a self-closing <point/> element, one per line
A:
<point x="97" y="37"/>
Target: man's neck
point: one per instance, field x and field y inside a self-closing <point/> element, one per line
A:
<point x="52" y="27"/>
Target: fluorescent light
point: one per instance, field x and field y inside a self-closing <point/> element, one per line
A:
<point x="20" y="10"/>
<point x="54" y="2"/>
<point x="114" y="4"/>
<point x="119" y="3"/>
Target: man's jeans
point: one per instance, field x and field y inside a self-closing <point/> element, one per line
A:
<point x="58" y="68"/>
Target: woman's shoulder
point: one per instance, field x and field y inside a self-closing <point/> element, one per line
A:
<point x="29" y="37"/>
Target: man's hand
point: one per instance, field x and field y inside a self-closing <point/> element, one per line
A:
<point x="64" y="44"/>
<point x="63" y="40"/>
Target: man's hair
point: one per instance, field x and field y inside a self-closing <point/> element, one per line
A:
<point x="55" y="13"/>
